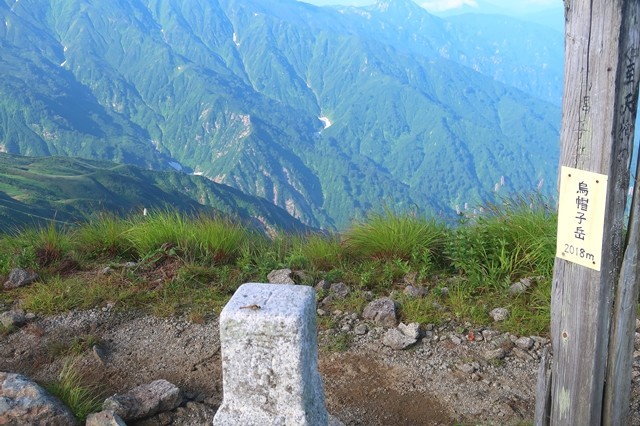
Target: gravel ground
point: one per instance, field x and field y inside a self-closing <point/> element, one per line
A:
<point x="443" y="379"/>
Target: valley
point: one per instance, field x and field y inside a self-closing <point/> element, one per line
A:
<point x="426" y="114"/>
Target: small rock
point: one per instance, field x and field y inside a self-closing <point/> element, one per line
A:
<point x="11" y="319"/>
<point x="488" y="335"/>
<point x="637" y="323"/>
<point x="411" y="330"/>
<point x="524" y="343"/>
<point x="361" y="329"/>
<point x="394" y="339"/>
<point x="190" y="414"/>
<point x="145" y="400"/>
<point x="475" y="336"/>
<point x="540" y="340"/>
<point x="130" y="265"/>
<point x="520" y="287"/>
<point x="99" y="354"/>
<point x="20" y="277"/>
<point x="522" y="354"/>
<point x="280" y="276"/>
<point x="503" y="341"/>
<point x="106" y="270"/>
<point x="417" y="292"/>
<point x="636" y="359"/>
<point x="494" y="354"/>
<point x="466" y="368"/>
<point x="104" y="418"/>
<point x="381" y="311"/>
<point x="340" y="289"/>
<point x="499" y="314"/>
<point x="455" y="339"/>
<point x="321" y="312"/>
<point x="323" y="285"/>
<point x="444" y="291"/>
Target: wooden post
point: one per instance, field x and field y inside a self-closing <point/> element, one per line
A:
<point x="599" y="109"/>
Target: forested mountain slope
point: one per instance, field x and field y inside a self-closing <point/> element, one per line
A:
<point x="326" y="112"/>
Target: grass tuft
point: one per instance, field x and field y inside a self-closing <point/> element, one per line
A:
<point x="71" y="389"/>
<point x="389" y="237"/>
<point x="104" y="237"/>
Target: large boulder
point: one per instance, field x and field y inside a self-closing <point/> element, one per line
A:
<point x="23" y="402"/>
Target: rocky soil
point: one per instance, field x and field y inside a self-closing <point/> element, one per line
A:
<point x="453" y="374"/>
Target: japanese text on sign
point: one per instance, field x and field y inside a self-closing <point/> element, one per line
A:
<point x="581" y="217"/>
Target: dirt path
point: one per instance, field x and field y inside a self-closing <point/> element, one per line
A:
<point x="442" y="380"/>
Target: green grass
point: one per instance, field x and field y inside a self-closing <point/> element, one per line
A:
<point x="192" y="265"/>
<point x="510" y="240"/>
<point x="72" y="390"/>
<point x="104" y="236"/>
<point x="394" y="237"/>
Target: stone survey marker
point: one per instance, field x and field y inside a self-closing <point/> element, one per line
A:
<point x="270" y="358"/>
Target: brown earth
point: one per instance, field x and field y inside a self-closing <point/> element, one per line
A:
<point x="369" y="384"/>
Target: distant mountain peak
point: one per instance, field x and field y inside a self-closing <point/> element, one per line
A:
<point x="404" y="7"/>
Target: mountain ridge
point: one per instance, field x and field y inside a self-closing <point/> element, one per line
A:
<point x="36" y="191"/>
<point x="238" y="92"/>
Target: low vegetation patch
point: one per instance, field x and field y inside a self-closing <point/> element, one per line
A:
<point x="169" y="263"/>
<point x="71" y="388"/>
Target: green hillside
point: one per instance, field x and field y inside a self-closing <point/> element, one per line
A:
<point x="40" y="190"/>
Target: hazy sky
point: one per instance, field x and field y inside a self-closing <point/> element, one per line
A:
<point x="442" y="5"/>
<point x="450" y="5"/>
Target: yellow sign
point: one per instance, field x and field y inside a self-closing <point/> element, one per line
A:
<point x="583" y="198"/>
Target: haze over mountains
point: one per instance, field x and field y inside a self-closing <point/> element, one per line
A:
<point x="327" y="112"/>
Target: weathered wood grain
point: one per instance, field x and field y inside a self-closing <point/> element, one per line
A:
<point x="594" y="101"/>
<point x="543" y="391"/>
